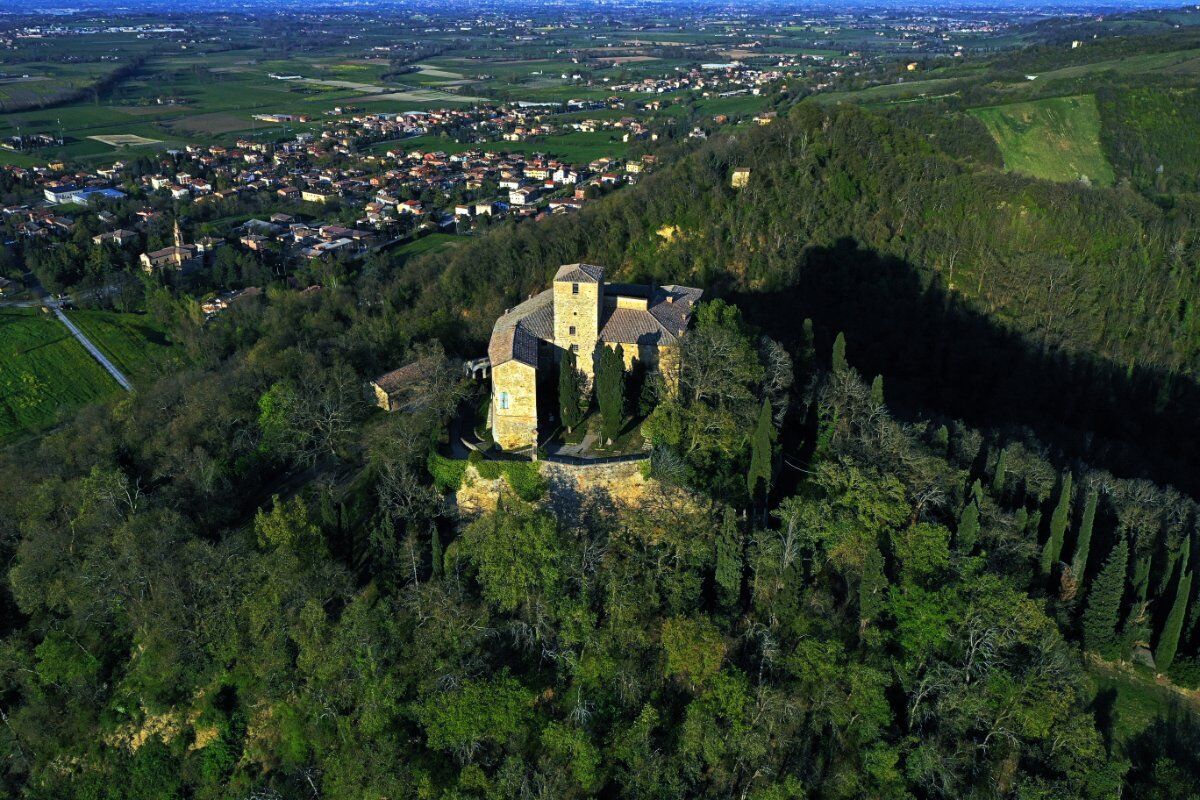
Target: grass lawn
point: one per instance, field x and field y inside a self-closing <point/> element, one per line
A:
<point x="426" y="244"/>
<point x="133" y="342"/>
<point x="1128" y="700"/>
<point x="44" y="372"/>
<point x="628" y="442"/>
<point x="1057" y="138"/>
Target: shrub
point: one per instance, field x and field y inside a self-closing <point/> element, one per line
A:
<point x="447" y="472"/>
<point x="525" y="478"/>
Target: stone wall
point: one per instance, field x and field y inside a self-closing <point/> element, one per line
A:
<point x="568" y="487"/>
<point x="516" y="426"/>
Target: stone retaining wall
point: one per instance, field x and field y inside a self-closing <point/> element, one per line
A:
<point x="568" y="486"/>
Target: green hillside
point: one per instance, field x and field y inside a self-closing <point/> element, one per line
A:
<point x="1057" y="139"/>
<point x="1151" y="135"/>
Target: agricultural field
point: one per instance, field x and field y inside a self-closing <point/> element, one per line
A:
<point x="44" y="372"/>
<point x="1056" y="139"/>
<point x="1176" y="62"/>
<point x="135" y="344"/>
<point x="35" y="83"/>
<point x="166" y="105"/>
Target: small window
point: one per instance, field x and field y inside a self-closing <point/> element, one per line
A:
<point x="571" y="330"/>
<point x="504" y="400"/>
<point x="574" y="288"/>
<point x="574" y="348"/>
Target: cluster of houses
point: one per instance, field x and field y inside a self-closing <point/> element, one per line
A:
<point x="38" y="222"/>
<point x="306" y="239"/>
<point x="388" y="191"/>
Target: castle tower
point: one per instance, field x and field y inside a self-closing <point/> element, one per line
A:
<point x="578" y="298"/>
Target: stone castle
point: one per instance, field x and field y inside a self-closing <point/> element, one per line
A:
<point x="579" y="311"/>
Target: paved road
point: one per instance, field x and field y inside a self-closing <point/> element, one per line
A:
<point x="91" y="348"/>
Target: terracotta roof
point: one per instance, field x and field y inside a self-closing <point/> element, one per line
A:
<point x="187" y="251"/>
<point x="516" y="334"/>
<point x="580" y="273"/>
<point x="669" y="309"/>
<point x="397" y="379"/>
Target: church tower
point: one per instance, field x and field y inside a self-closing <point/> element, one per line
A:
<point x="178" y="234"/>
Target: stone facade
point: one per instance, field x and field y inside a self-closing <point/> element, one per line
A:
<point x="577" y="312"/>
<point x="514" y="405"/>
<point x="577" y="317"/>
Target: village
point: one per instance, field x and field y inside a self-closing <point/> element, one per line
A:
<point x="324" y="195"/>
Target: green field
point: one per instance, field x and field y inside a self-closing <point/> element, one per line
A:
<point x="1175" y="62"/>
<point x="133" y="342"/>
<point x="44" y="372"/>
<point x="1056" y="139"/>
<point x="426" y="244"/>
<point x="892" y="92"/>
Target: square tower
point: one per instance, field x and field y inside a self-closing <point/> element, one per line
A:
<point x="578" y="298"/>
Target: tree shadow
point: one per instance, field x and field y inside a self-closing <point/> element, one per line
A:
<point x="1104" y="708"/>
<point x="940" y="357"/>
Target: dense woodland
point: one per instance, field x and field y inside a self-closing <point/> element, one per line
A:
<point x="240" y="582"/>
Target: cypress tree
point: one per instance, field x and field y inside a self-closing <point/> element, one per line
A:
<point x="610" y="391"/>
<point x="998" y="477"/>
<point x="968" y="527"/>
<point x="435" y="552"/>
<point x="1103" y="611"/>
<point x="728" y="572"/>
<point x="838" y="362"/>
<point x="569" y="406"/>
<point x="1168" y="640"/>
<point x="941" y="438"/>
<point x="877" y="391"/>
<point x="760" y="451"/>
<point x="1141" y="577"/>
<point x="1052" y="550"/>
<point x="1083" y="543"/>
<point x="872" y="589"/>
<point x="977" y="492"/>
<point x="806" y="354"/>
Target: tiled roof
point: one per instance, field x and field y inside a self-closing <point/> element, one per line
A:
<point x="398" y="379"/>
<point x="669" y="309"/>
<point x="580" y="273"/>
<point x="516" y="334"/>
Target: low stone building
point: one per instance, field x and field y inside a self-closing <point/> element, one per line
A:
<point x="579" y="311"/>
<point x="391" y="390"/>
